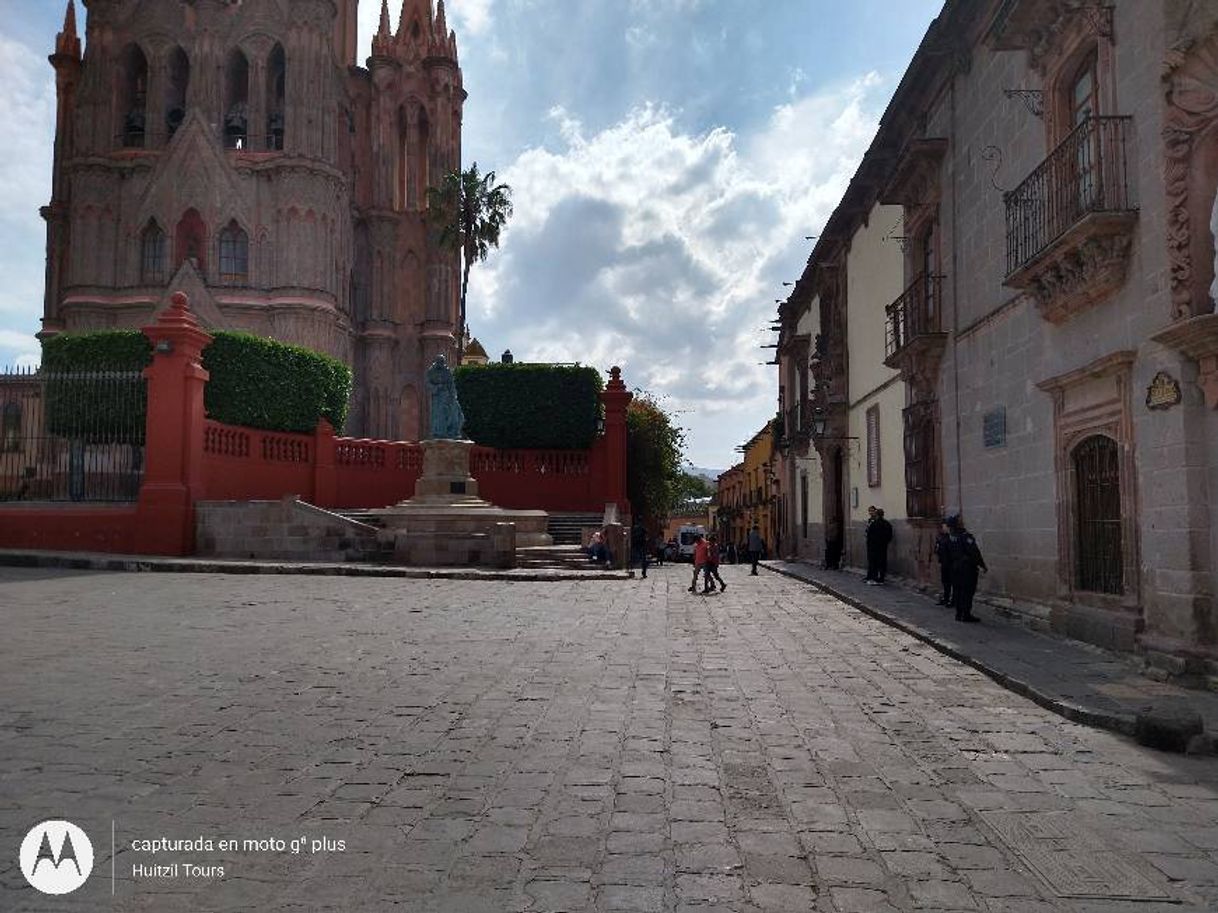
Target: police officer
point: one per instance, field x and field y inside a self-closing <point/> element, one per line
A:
<point x="943" y="553"/>
<point x="965" y="558"/>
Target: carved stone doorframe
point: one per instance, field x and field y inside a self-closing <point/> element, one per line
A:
<point x="1095" y="400"/>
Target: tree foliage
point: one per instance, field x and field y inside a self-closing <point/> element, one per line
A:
<point x="691" y="487"/>
<point x="471" y="211"/>
<point x="654" y="457"/>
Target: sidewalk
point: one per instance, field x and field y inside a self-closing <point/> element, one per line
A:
<point x="97" y="561"/>
<point x="1078" y="681"/>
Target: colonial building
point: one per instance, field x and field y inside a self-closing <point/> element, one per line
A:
<point x="749" y="493"/>
<point x="237" y="152"/>
<point x="1054" y="164"/>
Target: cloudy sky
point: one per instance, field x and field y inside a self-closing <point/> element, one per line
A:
<point x="667" y="157"/>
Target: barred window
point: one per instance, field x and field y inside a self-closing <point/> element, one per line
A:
<point x="873" y="446"/>
<point x="152" y="255"/>
<point x="234" y="253"/>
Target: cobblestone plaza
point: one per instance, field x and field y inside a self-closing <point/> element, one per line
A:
<point x="597" y="745"/>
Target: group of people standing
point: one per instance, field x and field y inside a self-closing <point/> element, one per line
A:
<point x="960" y="560"/>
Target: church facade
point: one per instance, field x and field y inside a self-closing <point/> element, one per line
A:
<point x="236" y="151"/>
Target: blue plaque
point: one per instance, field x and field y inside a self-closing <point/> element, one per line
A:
<point x="994" y="427"/>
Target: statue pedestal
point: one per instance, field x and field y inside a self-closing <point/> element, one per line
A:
<point x="446" y="524"/>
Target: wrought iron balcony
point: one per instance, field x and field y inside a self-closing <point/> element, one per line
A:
<point x="1069" y="224"/>
<point x="914" y="318"/>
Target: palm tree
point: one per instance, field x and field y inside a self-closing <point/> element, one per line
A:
<point x="471" y="210"/>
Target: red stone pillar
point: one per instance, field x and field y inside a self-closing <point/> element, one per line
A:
<point x="325" y="473"/>
<point x="173" y="469"/>
<point x="616" y="398"/>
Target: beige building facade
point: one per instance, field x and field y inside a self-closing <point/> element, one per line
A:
<point x="1055" y="165"/>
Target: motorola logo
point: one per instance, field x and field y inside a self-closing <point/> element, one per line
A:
<point x="56" y="857"/>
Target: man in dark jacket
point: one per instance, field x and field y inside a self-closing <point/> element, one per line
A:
<point x="943" y="553"/>
<point x="965" y="557"/>
<point x="878" y="536"/>
<point x="638" y="544"/>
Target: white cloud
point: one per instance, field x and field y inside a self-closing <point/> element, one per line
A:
<point x="662" y="251"/>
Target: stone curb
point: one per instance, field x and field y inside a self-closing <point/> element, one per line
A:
<point x="1125" y="724"/>
<point x="136" y="564"/>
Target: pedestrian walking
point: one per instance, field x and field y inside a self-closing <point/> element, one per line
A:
<point x="701" y="548"/>
<point x="966" y="560"/>
<point x="638" y="545"/>
<point x="756" y="546"/>
<point x="878" y="535"/>
<point x="943" y="553"/>
<point x="712" y="566"/>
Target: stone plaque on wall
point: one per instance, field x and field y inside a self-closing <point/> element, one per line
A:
<point x="1163" y="392"/>
<point x="994" y="427"/>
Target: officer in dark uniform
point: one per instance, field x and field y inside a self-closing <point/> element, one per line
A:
<point x="965" y="558"/>
<point x="942" y="552"/>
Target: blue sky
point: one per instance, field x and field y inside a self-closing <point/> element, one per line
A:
<point x="667" y="158"/>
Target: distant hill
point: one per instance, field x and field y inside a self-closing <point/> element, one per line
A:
<point x="711" y="475"/>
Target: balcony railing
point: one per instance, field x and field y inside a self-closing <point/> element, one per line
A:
<point x="916" y="313"/>
<point x="1087" y="173"/>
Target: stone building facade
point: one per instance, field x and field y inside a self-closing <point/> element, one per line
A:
<point x="236" y="151"/>
<point x="1055" y="163"/>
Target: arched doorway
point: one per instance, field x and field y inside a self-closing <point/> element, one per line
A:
<point x="1097" y="493"/>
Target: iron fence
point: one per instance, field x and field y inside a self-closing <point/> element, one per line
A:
<point x="1088" y="172"/>
<point x="71" y="436"/>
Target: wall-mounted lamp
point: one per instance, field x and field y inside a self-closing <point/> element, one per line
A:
<point x="164" y="346"/>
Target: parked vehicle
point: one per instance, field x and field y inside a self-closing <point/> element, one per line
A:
<point x="687" y="536"/>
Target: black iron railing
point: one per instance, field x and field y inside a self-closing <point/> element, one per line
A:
<point x="1088" y="172"/>
<point x="916" y="313"/>
<point x="72" y="436"/>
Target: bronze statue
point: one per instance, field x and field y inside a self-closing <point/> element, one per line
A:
<point x="447" y="419"/>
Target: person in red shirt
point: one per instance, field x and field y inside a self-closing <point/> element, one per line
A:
<point x="701" y="551"/>
<point x="712" y="566"/>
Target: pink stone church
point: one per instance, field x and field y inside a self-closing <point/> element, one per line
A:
<point x="237" y="151"/>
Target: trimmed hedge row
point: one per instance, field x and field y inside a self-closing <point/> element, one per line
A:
<point x="530" y="406"/>
<point x="255" y="381"/>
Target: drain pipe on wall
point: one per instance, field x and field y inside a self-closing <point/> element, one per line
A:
<point x="955" y="184"/>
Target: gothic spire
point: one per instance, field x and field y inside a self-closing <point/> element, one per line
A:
<point x="383" y="31"/>
<point x="416" y="11"/>
<point x="441" y="29"/>
<point x="67" y="42"/>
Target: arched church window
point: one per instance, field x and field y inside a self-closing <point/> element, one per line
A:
<point x="190" y="241"/>
<point x="10" y="427"/>
<point x="133" y="97"/>
<point x="175" y="90"/>
<point x="276" y="76"/>
<point x="236" y="101"/>
<point x="1097" y="481"/>
<point x="234" y="253"/>
<point x="152" y="255"/>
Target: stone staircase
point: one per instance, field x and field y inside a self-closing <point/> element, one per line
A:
<point x="565" y="529"/>
<point x="551" y="557"/>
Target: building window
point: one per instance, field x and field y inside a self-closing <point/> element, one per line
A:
<point x="152" y="255"/>
<point x="175" y="91"/>
<point x="234" y="253"/>
<point x="921" y="459"/>
<point x="1097" y="480"/>
<point x="873" y="447"/>
<point x="190" y="241"/>
<point x="10" y="428"/>
<point x="276" y="78"/>
<point x="134" y="97"/>
<point x="236" y="101"/>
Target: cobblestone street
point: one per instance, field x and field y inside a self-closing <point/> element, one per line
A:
<point x="600" y="745"/>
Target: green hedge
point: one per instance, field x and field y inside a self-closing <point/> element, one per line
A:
<point x="255" y="381"/>
<point x="261" y="383"/>
<point x="530" y="405"/>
